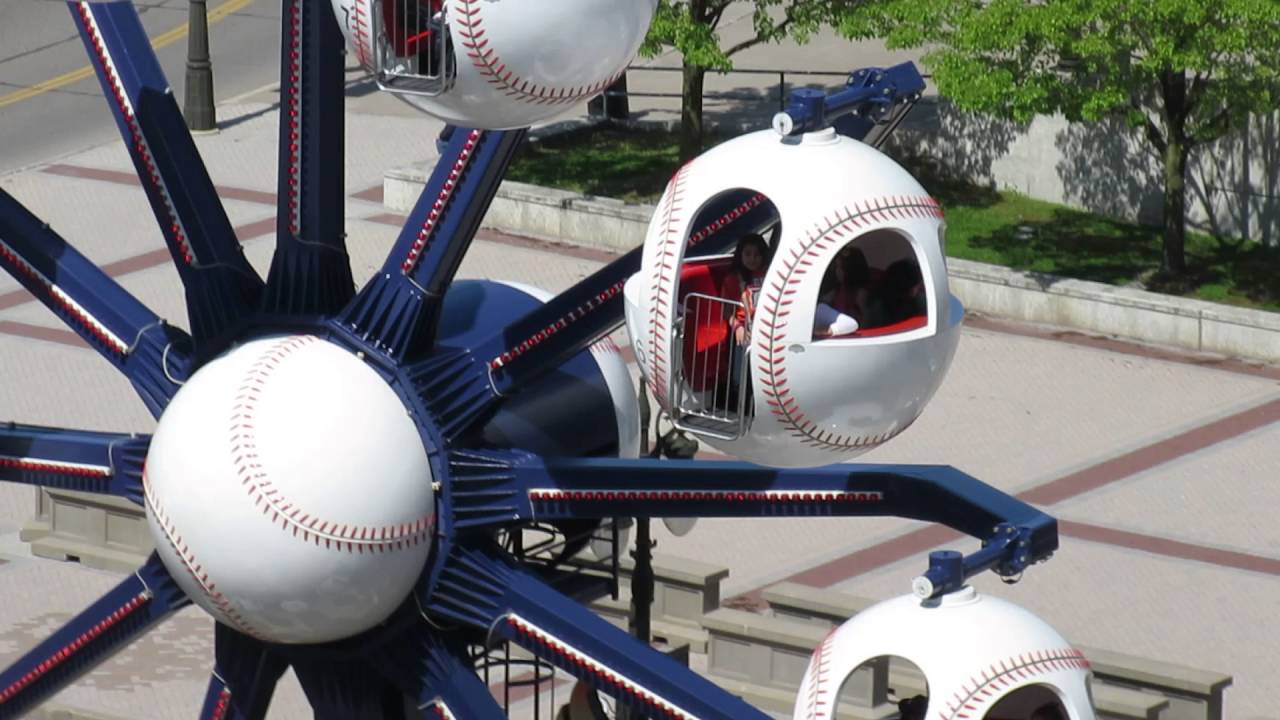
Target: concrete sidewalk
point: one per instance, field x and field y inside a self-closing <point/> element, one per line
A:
<point x="1160" y="463"/>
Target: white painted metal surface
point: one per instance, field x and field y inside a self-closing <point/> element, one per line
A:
<point x="815" y="401"/>
<point x="288" y="492"/>
<point x="974" y="650"/>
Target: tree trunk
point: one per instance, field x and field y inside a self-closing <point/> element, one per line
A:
<point x="1173" y="260"/>
<point x="691" y="112"/>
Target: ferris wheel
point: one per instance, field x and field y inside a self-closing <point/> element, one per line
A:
<point x="337" y="470"/>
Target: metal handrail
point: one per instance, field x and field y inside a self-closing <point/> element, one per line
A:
<point x="695" y="415"/>
<point x="781" y="87"/>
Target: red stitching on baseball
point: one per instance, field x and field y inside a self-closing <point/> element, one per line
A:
<point x="351" y="538"/>
<point x="360" y="33"/>
<point x="489" y="63"/>
<point x="138" y="147"/>
<point x="442" y="200"/>
<point x="193" y="566"/>
<point x="1006" y="672"/>
<point x="773" y="320"/>
<point x="59" y="297"/>
<point x="821" y="663"/>
<point x="664" y="272"/>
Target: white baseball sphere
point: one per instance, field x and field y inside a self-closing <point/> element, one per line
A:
<point x="289" y="493"/>
<point x="517" y="62"/>
<point x="974" y="650"/>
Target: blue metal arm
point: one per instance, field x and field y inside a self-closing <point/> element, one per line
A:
<point x="94" y="462"/>
<point x="498" y="487"/>
<point x="153" y="355"/>
<point x="463" y="387"/>
<point x="221" y="286"/>
<point x="244" y="677"/>
<point x="869" y="95"/>
<point x="119" y="618"/>
<point x="438" y="676"/>
<point x="310" y="271"/>
<point x="481" y="590"/>
<point x="396" y="313"/>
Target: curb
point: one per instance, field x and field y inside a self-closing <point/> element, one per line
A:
<point x="604" y="223"/>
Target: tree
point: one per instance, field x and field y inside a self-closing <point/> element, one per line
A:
<point x="1183" y="72"/>
<point x="690" y="27"/>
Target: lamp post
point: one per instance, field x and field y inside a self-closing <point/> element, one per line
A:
<point x="198" y="103"/>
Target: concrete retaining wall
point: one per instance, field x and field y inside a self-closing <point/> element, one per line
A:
<point x="561" y="216"/>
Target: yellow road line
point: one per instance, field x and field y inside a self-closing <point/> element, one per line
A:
<point x="159" y="41"/>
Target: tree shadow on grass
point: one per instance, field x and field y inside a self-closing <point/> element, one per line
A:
<point x="1075" y="244"/>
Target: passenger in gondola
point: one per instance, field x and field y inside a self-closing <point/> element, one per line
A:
<point x="750" y="262"/>
<point x="848" y="282"/>
<point x="843" y="294"/>
<point x="901" y="296"/>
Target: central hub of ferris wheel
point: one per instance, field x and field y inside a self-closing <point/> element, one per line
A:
<point x="288" y="491"/>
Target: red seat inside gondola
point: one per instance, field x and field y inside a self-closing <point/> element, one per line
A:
<point x="912" y="323"/>
<point x="705" y="349"/>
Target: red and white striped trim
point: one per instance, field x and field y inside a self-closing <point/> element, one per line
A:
<point x="591" y="666"/>
<point x="772" y="316"/>
<point x="440" y="710"/>
<point x="222" y="705"/>
<point x="442" y="199"/>
<point x="274" y="504"/>
<point x="60" y="298"/>
<point x="66" y="651"/>
<point x="292" y="86"/>
<point x="981" y="689"/>
<point x="138" y="146"/>
<point x="563" y="322"/>
<point x="194" y="569"/>
<point x="719" y="223"/>
<point x="724" y="496"/>
<point x="54" y="466"/>
<point x="818" y="700"/>
<point x="666" y="267"/>
<point x="484" y="57"/>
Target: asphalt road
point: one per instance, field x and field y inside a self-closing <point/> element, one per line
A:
<point x="39" y="48"/>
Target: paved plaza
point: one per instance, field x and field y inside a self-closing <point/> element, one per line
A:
<point x="1161" y="466"/>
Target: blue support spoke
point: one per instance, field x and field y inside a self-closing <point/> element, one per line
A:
<point x="153" y="355"/>
<point x="244" y="677"/>
<point x="94" y="462"/>
<point x="310" y="272"/>
<point x="120" y="617"/>
<point x="346" y="690"/>
<point x="464" y="387"/>
<point x="221" y="287"/>
<point x="437" y="675"/>
<point x="480" y="589"/>
<point x="503" y="487"/>
<point x="397" y="311"/>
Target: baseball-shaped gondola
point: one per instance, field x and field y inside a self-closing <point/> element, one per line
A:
<point x="980" y="657"/>
<point x="815" y="341"/>
<point x="494" y="64"/>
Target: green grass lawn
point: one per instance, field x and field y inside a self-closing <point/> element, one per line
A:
<point x="1001" y="228"/>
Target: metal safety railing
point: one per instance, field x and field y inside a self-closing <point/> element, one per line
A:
<point x="781" y="87"/>
<point x="711" y="393"/>
<point x="413" y="51"/>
